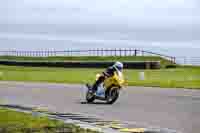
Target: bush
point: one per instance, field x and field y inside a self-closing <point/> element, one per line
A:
<point x="171" y="66"/>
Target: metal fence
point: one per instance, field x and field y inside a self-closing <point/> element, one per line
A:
<point x="90" y="52"/>
<point x="188" y="60"/>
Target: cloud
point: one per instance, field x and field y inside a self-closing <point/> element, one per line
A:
<point x="135" y="20"/>
<point x="131" y="9"/>
<point x="100" y="40"/>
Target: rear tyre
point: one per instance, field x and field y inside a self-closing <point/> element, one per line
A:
<point x="90" y="97"/>
<point x="112" y="95"/>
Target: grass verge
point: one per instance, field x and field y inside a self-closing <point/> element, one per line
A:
<point x="173" y="78"/>
<point x="18" y="122"/>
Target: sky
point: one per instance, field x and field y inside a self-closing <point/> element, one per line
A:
<point x="159" y="25"/>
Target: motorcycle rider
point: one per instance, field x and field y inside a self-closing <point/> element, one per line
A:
<point x="117" y="66"/>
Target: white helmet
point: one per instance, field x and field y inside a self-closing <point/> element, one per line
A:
<point x="118" y="65"/>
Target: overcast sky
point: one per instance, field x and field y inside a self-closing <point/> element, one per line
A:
<point x="132" y="12"/>
<point x="108" y="21"/>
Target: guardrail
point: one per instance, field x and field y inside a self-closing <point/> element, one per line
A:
<point x="90" y="52"/>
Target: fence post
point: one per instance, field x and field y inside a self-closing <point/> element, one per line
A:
<point x="97" y="52"/>
<point x="44" y="53"/>
<point x="184" y="60"/>
<point x="142" y="53"/>
<point x="51" y="53"/>
<point x="54" y="52"/>
<point x="89" y="53"/>
<point x="92" y="52"/>
<point x="135" y="52"/>
<point x="65" y="52"/>
<point x="174" y="60"/>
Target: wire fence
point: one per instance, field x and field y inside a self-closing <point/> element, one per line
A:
<point x="89" y="52"/>
<point x="188" y="60"/>
<point x="101" y="52"/>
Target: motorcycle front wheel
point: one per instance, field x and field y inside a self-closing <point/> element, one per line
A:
<point x="112" y="95"/>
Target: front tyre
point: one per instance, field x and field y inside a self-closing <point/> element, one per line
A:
<point x="112" y="95"/>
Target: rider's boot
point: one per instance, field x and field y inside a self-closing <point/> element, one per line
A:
<point x="94" y="88"/>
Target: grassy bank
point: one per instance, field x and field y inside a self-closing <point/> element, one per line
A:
<point x="163" y="61"/>
<point x="18" y="122"/>
<point x="179" y="77"/>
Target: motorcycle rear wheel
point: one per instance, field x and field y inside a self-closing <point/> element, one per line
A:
<point x="90" y="97"/>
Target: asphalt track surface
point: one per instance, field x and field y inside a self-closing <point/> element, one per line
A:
<point x="177" y="109"/>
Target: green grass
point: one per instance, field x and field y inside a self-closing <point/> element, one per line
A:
<point x="163" y="61"/>
<point x="179" y="77"/>
<point x="58" y="75"/>
<point x="172" y="78"/>
<point x="18" y="122"/>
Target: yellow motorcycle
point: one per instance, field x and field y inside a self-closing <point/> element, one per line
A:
<point x="108" y="90"/>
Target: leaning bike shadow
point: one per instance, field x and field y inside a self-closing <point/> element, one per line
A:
<point x="95" y="103"/>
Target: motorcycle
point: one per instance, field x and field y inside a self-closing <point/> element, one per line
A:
<point x="108" y="90"/>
